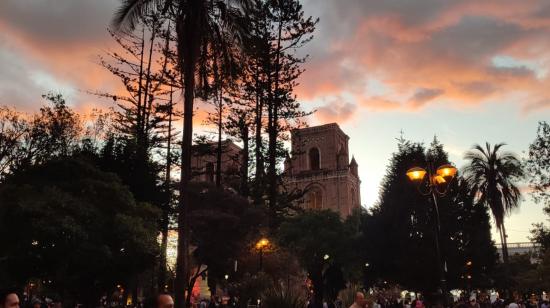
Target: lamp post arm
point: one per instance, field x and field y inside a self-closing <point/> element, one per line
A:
<point x="428" y="191"/>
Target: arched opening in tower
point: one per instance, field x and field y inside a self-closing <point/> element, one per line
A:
<point x="314" y="159"/>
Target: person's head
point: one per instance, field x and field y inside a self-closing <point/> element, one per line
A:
<point x="360" y="298"/>
<point x="161" y="300"/>
<point x="9" y="299"/>
<point x="36" y="303"/>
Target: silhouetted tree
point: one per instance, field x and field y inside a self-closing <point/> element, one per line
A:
<point x="198" y="24"/>
<point x="537" y="165"/>
<point x="319" y="239"/>
<point x="278" y="30"/>
<point x="74" y="227"/>
<point x="405" y="254"/>
<point x="492" y="176"/>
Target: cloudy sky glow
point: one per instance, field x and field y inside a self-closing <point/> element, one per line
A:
<point x="468" y="71"/>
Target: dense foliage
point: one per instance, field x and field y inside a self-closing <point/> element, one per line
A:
<point x="75" y="228"/>
<point x="319" y="239"/>
<point x="537" y="165"/>
<point x="406" y="255"/>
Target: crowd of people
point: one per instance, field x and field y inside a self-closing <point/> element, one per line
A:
<point x="471" y="300"/>
<point x="11" y="299"/>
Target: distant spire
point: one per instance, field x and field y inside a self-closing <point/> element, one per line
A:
<point x="353" y="166"/>
<point x="288" y="164"/>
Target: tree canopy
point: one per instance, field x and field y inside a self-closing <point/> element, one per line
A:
<point x="320" y="241"/>
<point x="405" y="254"/>
<point x="537" y="165"/>
<point x="75" y="228"/>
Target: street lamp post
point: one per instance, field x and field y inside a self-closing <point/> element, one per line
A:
<point x="436" y="184"/>
<point x="261" y="245"/>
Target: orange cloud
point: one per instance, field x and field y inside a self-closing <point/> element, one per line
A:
<point x="427" y="53"/>
<point x="420" y="52"/>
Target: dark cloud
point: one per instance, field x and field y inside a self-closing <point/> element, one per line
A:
<point x="478" y="88"/>
<point x="514" y="72"/>
<point x="336" y="110"/>
<point x="423" y="95"/>
<point x="58" y="21"/>
<point x="475" y="38"/>
<point x="435" y="49"/>
<point x="16" y="85"/>
<point x="50" y="45"/>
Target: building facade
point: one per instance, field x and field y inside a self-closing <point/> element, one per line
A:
<point x="320" y="166"/>
<point x="204" y="162"/>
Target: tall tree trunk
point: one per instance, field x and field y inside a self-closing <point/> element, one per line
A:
<point x="148" y="98"/>
<point x="274" y="132"/>
<point x="219" y="148"/>
<point x="140" y="81"/>
<point x="166" y="210"/>
<point x="258" y="141"/>
<point x="504" y="257"/>
<point x="244" y="164"/>
<point x="317" y="281"/>
<point x="501" y="242"/>
<point x="504" y="244"/>
<point x="189" y="42"/>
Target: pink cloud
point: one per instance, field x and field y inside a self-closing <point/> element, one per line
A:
<point x="443" y="53"/>
<point x="422" y="52"/>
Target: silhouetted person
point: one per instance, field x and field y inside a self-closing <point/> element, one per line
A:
<point x="359" y="300"/>
<point x="9" y="299"/>
<point x="162" y="300"/>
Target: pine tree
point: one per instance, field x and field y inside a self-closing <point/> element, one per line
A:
<point x="405" y="255"/>
<point x="279" y="30"/>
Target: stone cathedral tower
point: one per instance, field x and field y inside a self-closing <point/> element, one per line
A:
<point x="321" y="167"/>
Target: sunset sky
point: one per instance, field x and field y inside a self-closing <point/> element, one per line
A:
<point x="466" y="71"/>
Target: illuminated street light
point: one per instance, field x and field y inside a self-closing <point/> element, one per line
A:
<point x="416" y="174"/>
<point x="436" y="183"/>
<point x="326" y="257"/>
<point x="261" y="245"/>
<point x="446" y="171"/>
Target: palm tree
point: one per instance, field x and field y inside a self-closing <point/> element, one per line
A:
<point x="200" y="25"/>
<point x="492" y="177"/>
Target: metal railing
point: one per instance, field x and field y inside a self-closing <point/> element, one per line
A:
<point x="520" y="245"/>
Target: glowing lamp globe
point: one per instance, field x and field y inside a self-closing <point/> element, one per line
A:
<point x="416" y="174"/>
<point x="438" y="179"/>
<point x="262" y="243"/>
<point x="446" y="171"/>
